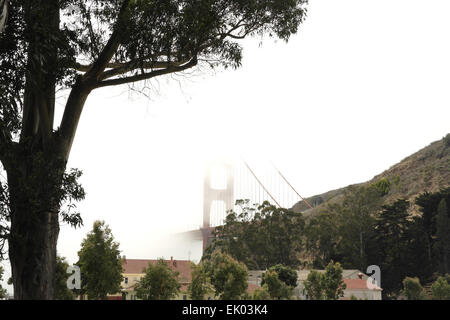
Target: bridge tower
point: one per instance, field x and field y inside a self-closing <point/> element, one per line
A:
<point x="218" y="196"/>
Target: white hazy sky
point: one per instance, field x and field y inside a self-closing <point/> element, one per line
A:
<point x="362" y="85"/>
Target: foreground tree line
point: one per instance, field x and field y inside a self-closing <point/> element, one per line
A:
<point x="220" y="274"/>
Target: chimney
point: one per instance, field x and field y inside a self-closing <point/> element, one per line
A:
<point x="124" y="258"/>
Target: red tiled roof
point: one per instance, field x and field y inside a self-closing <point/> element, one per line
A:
<point x="138" y="265"/>
<point x="358" y="284"/>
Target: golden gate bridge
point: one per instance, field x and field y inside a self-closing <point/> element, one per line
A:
<point x="226" y="181"/>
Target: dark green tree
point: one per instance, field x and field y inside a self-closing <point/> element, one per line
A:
<point x="228" y="276"/>
<point x="344" y="231"/>
<point x="356" y="223"/>
<point x="276" y="288"/>
<point x="415" y="259"/>
<point x="441" y="288"/>
<point x="447" y="140"/>
<point x="325" y="286"/>
<point x="261" y="237"/>
<point x="323" y="237"/>
<point x="261" y="294"/>
<point x="332" y="282"/>
<point x="100" y="263"/>
<point x="428" y="205"/>
<point x="49" y="45"/>
<point x="200" y="284"/>
<point x="412" y="289"/>
<point x="160" y="282"/>
<point x="443" y="236"/>
<point x="391" y="235"/>
<point x="312" y="286"/>
<point x="286" y="274"/>
<point x="62" y="291"/>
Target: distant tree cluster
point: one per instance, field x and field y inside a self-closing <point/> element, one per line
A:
<point x="341" y="231"/>
<point x="358" y="232"/>
<point x="261" y="237"/>
<point x="361" y="232"/>
<point x="440" y="289"/>
<point x="413" y="290"/>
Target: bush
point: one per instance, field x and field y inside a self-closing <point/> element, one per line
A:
<point x="326" y="286"/>
<point x="276" y="288"/>
<point x="412" y="289"/>
<point x="441" y="289"/>
<point x="261" y="294"/>
<point x="447" y="140"/>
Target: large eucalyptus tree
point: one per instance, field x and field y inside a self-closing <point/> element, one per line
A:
<point x="84" y="45"/>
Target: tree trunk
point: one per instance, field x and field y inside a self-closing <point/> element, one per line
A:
<point x="34" y="174"/>
<point x="34" y="231"/>
<point x="32" y="251"/>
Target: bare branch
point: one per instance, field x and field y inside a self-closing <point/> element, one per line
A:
<point x="3" y="14"/>
<point x="149" y="75"/>
<point x="95" y="46"/>
<point x="122" y="68"/>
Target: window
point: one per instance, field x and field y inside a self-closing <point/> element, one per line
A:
<point x="126" y="280"/>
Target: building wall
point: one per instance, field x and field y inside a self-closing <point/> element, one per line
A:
<point x="363" y="294"/>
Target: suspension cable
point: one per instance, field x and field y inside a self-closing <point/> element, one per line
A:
<point x="291" y="185"/>
<point x="254" y="175"/>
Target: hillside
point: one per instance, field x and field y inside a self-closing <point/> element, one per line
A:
<point x="426" y="170"/>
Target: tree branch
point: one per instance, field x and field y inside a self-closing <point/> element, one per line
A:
<point x="149" y="75"/>
<point x="44" y="120"/>
<point x="3" y="14"/>
<point x="123" y="68"/>
<point x="86" y="83"/>
<point x="138" y="63"/>
<point x="95" y="46"/>
<point x="110" y="48"/>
